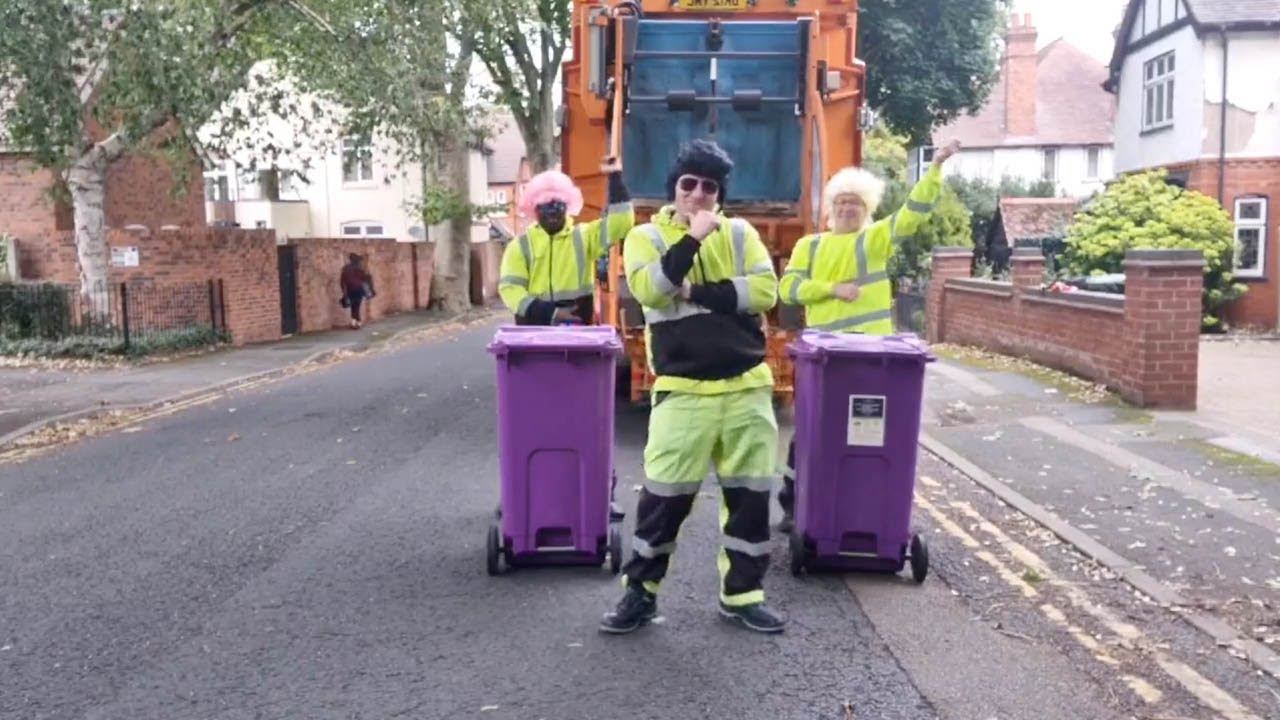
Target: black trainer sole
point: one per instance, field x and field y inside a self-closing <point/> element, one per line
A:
<point x="612" y="630"/>
<point x="740" y="620"/>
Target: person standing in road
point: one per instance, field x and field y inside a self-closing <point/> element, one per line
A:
<point x="841" y="276"/>
<point x="704" y="282"/>
<point x="548" y="273"/>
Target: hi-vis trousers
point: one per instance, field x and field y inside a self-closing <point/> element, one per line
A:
<point x="736" y="433"/>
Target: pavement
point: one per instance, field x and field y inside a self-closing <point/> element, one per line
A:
<point x="314" y="548"/>
<point x="30" y="396"/>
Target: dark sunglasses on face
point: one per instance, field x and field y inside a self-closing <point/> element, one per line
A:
<point x="555" y="207"/>
<point x="688" y="184"/>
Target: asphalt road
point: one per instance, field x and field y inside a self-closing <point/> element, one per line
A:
<point x="314" y="549"/>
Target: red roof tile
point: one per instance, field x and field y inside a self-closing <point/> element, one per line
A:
<point x="1035" y="218"/>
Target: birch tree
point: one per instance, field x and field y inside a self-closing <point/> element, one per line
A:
<point x="83" y="83"/>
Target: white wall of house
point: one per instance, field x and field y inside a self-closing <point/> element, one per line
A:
<point x="1180" y="139"/>
<point x="1078" y="171"/>
<point x="1253" y="86"/>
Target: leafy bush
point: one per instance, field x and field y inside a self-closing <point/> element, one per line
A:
<point x="1142" y="211"/>
<point x="947" y="226"/>
<point x="34" y="310"/>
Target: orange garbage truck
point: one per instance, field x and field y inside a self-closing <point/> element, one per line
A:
<point x="774" y="82"/>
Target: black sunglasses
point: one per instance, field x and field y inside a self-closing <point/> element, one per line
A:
<point x="709" y="187"/>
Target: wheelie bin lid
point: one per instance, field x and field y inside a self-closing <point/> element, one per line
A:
<point x="813" y="344"/>
<point x="600" y="339"/>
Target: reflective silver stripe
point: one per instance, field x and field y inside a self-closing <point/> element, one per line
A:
<point x="679" y="311"/>
<point x="760" y="268"/>
<point x="893" y="227"/>
<point x="738" y="233"/>
<point x="874" y="277"/>
<point x="660" y="281"/>
<point x="514" y="281"/>
<point x="813" y="249"/>
<point x="580" y="252"/>
<point x="804" y="274"/>
<point x="523" y="308"/>
<point x="636" y="266"/>
<point x="856" y="320"/>
<point x="672" y="489"/>
<point x="656" y="236"/>
<point x="616" y="208"/>
<point x="743" y="289"/>
<point x="794" y="293"/>
<point x="645" y="550"/>
<point x="604" y="234"/>
<point x="860" y="254"/>
<point x="756" y="484"/>
<point x="527" y="250"/>
<point x="788" y="473"/>
<point x="759" y="549"/>
<point x="916" y="206"/>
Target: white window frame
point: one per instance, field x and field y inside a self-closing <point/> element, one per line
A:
<point x="359" y="169"/>
<point x="363" y="228"/>
<point x="1259" y="224"/>
<point x="1157" y="92"/>
<point x="1093" y="162"/>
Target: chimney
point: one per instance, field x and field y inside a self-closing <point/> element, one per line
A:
<point x="1020" y="77"/>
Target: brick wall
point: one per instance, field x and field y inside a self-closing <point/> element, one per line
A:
<point x="25" y="209"/>
<point x="1145" y="344"/>
<point x="140" y="190"/>
<point x="392" y="264"/>
<point x="1020" y="77"/>
<point x="1260" y="306"/>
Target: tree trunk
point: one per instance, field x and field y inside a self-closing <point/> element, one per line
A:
<point x="541" y="143"/>
<point x="451" y="285"/>
<point x="87" y="180"/>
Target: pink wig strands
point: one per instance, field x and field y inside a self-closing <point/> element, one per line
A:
<point x="547" y="186"/>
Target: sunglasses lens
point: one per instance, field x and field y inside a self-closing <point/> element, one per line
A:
<point x="710" y="187"/>
<point x="688" y="184"/>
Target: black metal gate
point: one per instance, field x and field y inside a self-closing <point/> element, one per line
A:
<point x="288" y="261"/>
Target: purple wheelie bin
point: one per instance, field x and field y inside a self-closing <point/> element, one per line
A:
<point x="555" y="440"/>
<point x="858" y="405"/>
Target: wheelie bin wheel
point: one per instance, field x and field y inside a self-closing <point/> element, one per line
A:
<point x="615" y="550"/>
<point x="797" y="553"/>
<point x="919" y="559"/>
<point x="491" y="550"/>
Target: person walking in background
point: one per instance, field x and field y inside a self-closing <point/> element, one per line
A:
<point x="356" y="284"/>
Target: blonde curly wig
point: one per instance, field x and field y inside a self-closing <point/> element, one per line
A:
<point x="853" y="181"/>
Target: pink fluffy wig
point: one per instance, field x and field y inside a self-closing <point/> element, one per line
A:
<point x="547" y="186"/>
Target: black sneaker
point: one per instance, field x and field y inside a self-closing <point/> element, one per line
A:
<point x="758" y="617"/>
<point x="637" y="607"/>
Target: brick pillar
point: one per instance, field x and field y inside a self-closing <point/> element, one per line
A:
<point x="1162" y="301"/>
<point x="1026" y="267"/>
<point x="948" y="262"/>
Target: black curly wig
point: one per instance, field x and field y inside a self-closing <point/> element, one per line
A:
<point x="703" y="158"/>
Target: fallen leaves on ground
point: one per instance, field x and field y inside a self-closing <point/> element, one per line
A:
<point x="1076" y="389"/>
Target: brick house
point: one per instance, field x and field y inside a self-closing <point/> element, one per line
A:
<point x="1173" y="60"/>
<point x="508" y="169"/>
<point x="140" y="191"/>
<point x="1046" y="119"/>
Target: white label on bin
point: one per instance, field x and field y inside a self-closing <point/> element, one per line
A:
<point x="866" y="420"/>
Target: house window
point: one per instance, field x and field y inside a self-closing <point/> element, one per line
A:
<point x="1093" y="154"/>
<point x="217" y="187"/>
<point x="1251" y="236"/>
<point x="363" y="229"/>
<point x="357" y="160"/>
<point x="1157" y="89"/>
<point x="1050" y="170"/>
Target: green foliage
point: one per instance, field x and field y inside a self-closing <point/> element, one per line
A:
<point x="885" y="153"/>
<point x="948" y="226"/>
<point x="928" y="60"/>
<point x="40" y="311"/>
<point x="1142" y="211"/>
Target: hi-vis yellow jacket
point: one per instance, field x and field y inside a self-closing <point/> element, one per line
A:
<point x="540" y="271"/>
<point x="714" y="342"/>
<point x="822" y="261"/>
